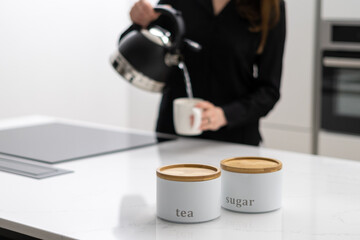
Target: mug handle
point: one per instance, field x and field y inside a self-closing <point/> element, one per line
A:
<point x="197" y="112"/>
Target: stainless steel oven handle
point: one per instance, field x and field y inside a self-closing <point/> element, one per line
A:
<point x="340" y="62"/>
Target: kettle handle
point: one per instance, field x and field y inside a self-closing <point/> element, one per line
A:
<point x="178" y="21"/>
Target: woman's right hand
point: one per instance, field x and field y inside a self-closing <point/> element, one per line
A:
<point x="142" y="13"/>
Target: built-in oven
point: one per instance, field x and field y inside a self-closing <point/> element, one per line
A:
<point x="340" y="77"/>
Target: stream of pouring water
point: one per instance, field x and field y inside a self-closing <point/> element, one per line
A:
<point x="183" y="67"/>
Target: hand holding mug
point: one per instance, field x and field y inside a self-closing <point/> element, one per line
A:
<point x="213" y="117"/>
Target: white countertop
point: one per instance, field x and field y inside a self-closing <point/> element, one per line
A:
<point x="113" y="196"/>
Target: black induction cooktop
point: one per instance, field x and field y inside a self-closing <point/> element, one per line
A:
<point x="59" y="142"/>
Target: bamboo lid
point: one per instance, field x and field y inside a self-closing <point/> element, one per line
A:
<point x="251" y="165"/>
<point x="188" y="172"/>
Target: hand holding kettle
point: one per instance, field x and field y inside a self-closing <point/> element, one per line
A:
<point x="143" y="13"/>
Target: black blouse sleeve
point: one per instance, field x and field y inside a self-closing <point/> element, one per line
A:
<point x="258" y="103"/>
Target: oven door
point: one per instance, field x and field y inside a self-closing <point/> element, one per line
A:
<point x="340" y="100"/>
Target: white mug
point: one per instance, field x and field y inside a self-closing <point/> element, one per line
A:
<point x="184" y="108"/>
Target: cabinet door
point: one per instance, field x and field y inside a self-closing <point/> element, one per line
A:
<point x="339" y="145"/>
<point x="342" y="10"/>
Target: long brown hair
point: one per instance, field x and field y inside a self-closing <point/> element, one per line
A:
<point x="262" y="15"/>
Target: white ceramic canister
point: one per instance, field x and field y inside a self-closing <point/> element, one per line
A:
<point x="251" y="184"/>
<point x="188" y="193"/>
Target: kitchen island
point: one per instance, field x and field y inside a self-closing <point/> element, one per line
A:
<point x="113" y="196"/>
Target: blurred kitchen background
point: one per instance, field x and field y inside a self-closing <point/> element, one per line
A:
<point x="54" y="61"/>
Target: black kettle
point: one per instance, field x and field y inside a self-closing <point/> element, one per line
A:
<point x="145" y="57"/>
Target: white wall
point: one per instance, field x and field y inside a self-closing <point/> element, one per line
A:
<point x="54" y="59"/>
<point x="143" y="105"/>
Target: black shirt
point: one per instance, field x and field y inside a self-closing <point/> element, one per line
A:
<point x="223" y="71"/>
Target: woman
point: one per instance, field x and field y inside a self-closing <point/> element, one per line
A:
<point x="238" y="70"/>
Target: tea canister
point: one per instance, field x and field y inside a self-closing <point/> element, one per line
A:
<point x="188" y="193"/>
<point x="251" y="184"/>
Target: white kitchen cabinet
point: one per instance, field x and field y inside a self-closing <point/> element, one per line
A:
<point x="292" y="116"/>
<point x="341" y="10"/>
<point x="339" y="145"/>
<point x="277" y="137"/>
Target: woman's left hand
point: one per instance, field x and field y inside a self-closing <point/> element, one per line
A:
<point x="213" y="117"/>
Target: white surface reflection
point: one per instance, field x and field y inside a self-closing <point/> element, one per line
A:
<point x="137" y="219"/>
<point x="228" y="226"/>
